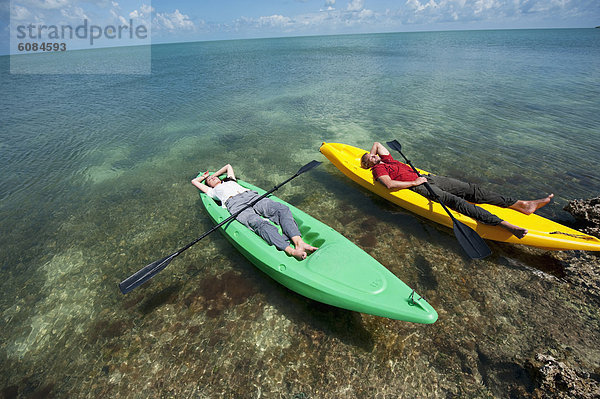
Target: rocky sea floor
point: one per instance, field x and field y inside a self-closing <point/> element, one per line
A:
<point x="211" y="325"/>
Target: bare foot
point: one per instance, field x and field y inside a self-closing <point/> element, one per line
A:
<point x="529" y="207"/>
<point x="307" y="248"/>
<point x="297" y="253"/>
<point x="300" y="244"/>
<point x="517" y="231"/>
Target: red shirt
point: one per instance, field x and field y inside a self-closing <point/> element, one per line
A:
<point x="395" y="169"/>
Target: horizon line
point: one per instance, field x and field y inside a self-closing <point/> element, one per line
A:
<point x="303" y="36"/>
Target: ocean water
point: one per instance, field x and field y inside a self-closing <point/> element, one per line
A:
<point x="96" y="176"/>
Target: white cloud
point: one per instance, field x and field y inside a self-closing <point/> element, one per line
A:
<point x="146" y="9"/>
<point x="329" y="5"/>
<point x="481" y="6"/>
<point x="364" y="14"/>
<point x="417" y="6"/>
<point x="274" y="21"/>
<point x="75" y="13"/>
<point x="173" y="21"/>
<point x="356" y="5"/>
<point x="145" y="12"/>
<point x="19" y="13"/>
<point x="308" y="23"/>
<point x="503" y="11"/>
<point x="51" y="4"/>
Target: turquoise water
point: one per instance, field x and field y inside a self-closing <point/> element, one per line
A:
<point x="95" y="184"/>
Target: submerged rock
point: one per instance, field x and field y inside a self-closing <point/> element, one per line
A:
<point x="583" y="268"/>
<point x="587" y="213"/>
<point x="558" y="380"/>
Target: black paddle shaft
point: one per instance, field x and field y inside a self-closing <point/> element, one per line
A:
<point x="397" y="146"/>
<point x="468" y="238"/>
<point x="149" y="271"/>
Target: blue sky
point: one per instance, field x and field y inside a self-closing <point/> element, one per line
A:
<point x="210" y="19"/>
<point x="197" y="20"/>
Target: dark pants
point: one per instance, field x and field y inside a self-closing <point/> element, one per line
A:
<point x="458" y="195"/>
<point x="252" y="217"/>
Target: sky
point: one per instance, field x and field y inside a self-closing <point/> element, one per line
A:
<point x="201" y="20"/>
<point x="184" y="20"/>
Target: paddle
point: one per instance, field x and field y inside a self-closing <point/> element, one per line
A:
<point x="471" y="242"/>
<point x="149" y="271"/>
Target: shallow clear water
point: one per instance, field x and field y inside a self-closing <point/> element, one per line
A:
<point x="95" y="185"/>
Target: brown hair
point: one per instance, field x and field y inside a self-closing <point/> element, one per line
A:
<point x="363" y="161"/>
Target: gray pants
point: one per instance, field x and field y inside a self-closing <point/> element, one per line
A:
<point x="251" y="217"/>
<point x="458" y="195"/>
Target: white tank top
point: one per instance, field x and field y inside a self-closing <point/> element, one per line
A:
<point x="225" y="190"/>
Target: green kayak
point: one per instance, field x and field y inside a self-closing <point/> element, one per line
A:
<point x="339" y="273"/>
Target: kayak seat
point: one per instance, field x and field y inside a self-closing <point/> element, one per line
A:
<point x="310" y="237"/>
<point x="318" y="243"/>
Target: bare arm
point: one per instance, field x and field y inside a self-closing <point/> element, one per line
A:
<point x="198" y="182"/>
<point x="379" y="149"/>
<point x="387" y="181"/>
<point x="225" y="169"/>
<point x="203" y="187"/>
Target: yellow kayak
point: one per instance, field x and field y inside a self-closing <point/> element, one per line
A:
<point x="543" y="233"/>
